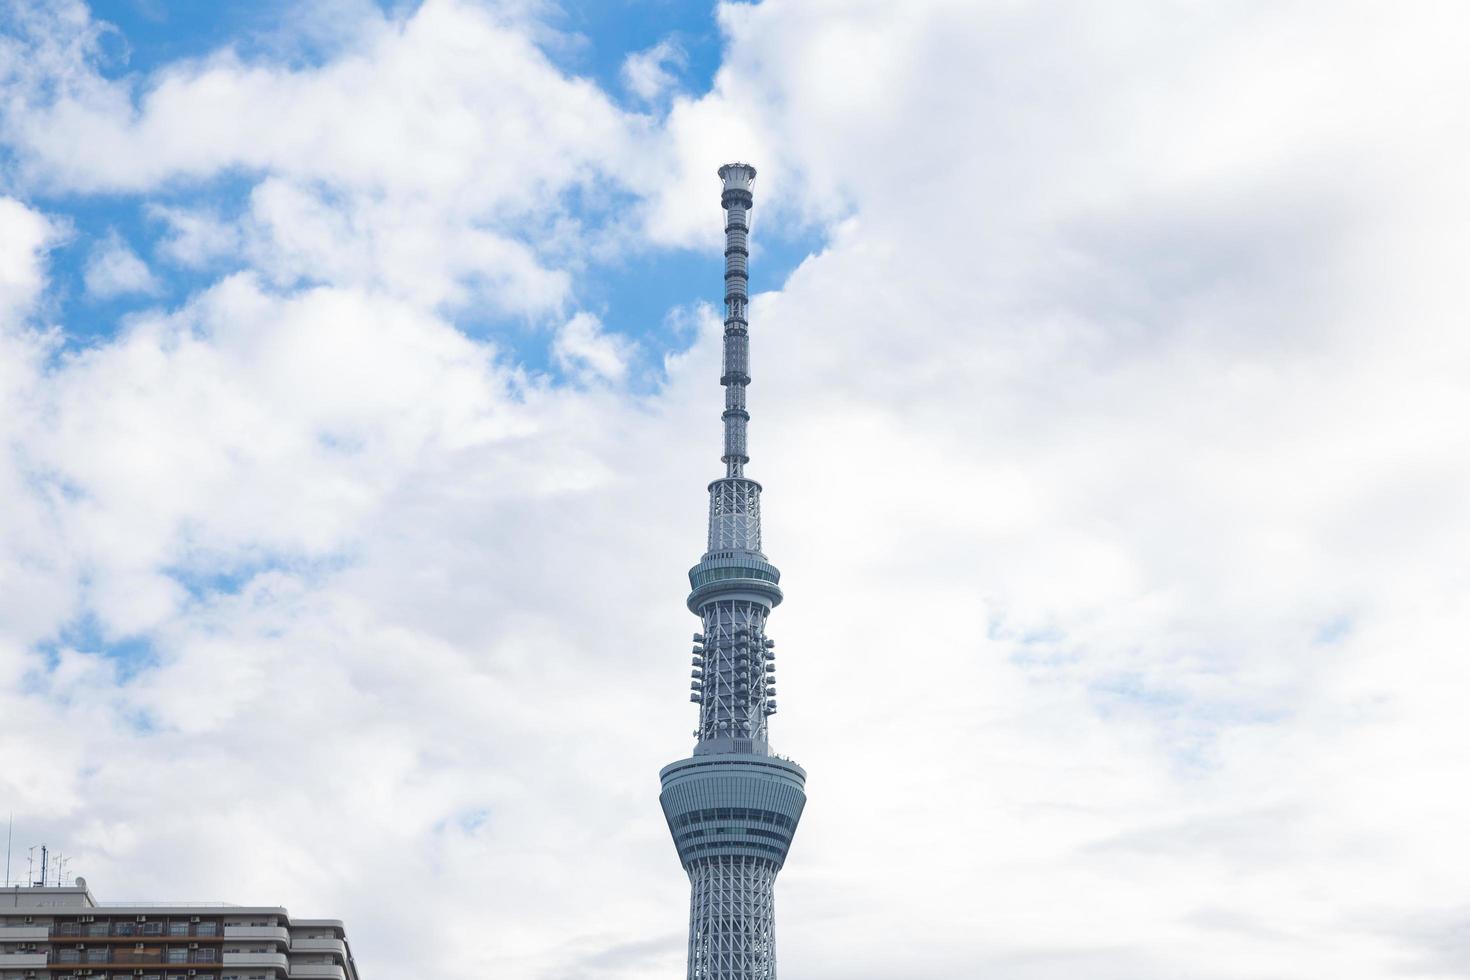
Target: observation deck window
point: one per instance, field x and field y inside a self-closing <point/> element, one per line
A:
<point x="722" y="573"/>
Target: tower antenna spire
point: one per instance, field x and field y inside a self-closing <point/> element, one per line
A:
<point x="736" y="199"/>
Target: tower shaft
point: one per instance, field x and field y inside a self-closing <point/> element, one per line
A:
<point x="732" y="807"/>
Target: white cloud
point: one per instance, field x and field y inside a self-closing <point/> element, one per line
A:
<point x="1112" y="454"/>
<point x="1124" y="459"/>
<point x="294" y="234"/>
<point x="429" y="156"/>
<point x="114" y="269"/>
<point x="583" y="348"/>
<point x="196" y="238"/>
<point x="649" y="75"/>
<point x="35" y="575"/>
<point x="27" y="235"/>
<point x="444" y="89"/>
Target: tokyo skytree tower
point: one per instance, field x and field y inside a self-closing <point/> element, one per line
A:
<point x="732" y="806"/>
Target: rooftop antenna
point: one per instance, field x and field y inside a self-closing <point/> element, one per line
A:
<point x="31" y="866"/>
<point x="9" y="833"/>
<point x="61" y="863"/>
<point x="44" y="854"/>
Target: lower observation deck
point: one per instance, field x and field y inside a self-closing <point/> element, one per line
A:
<point x="733" y="805"/>
<point x="734" y="575"/>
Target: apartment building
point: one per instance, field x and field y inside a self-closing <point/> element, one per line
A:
<point x="56" y="933"/>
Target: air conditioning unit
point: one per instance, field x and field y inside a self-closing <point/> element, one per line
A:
<point x="142" y="918"/>
<point x="193" y="945"/>
<point x="86" y="918"/>
<point x="193" y="918"/>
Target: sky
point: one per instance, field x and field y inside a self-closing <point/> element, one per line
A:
<point x="358" y="393"/>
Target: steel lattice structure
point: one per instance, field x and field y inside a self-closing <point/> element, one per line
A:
<point x="733" y="806"/>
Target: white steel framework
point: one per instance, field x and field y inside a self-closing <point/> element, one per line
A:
<point x="732" y="919"/>
<point x="739" y="674"/>
<point x="735" y="515"/>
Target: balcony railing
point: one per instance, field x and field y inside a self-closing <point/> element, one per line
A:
<point x="21" y="961"/>
<point x="128" y="956"/>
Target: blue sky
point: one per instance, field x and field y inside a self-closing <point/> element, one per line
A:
<point x="357" y="412"/>
<point x="633" y="293"/>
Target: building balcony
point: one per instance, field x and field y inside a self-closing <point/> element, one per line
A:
<point x="22" y="961"/>
<point x="25" y="934"/>
<point x="318" y="971"/>
<point x="275" y="961"/>
<point x="335" y="947"/>
<point x="277" y="934"/>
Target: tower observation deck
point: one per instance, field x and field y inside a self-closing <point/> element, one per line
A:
<point x="732" y="806"/>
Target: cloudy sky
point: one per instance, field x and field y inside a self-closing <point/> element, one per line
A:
<point x="358" y="394"/>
